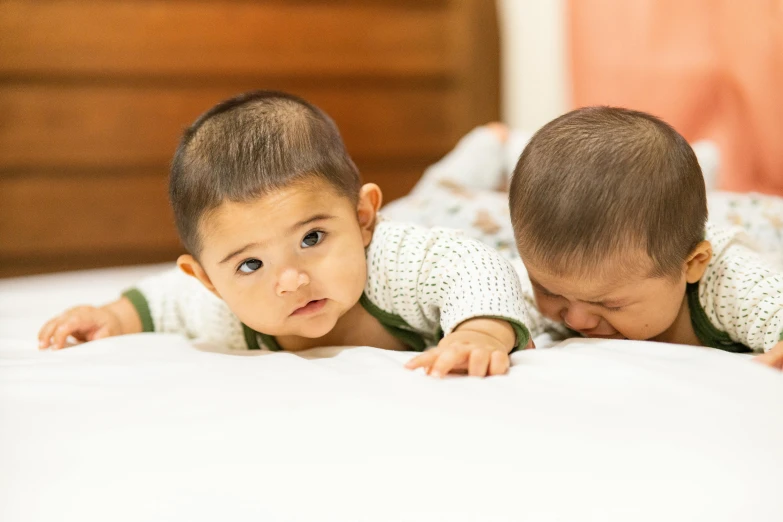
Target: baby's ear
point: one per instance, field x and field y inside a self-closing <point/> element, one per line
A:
<point x="370" y="199"/>
<point x="192" y="267"/>
<point x="697" y="261"/>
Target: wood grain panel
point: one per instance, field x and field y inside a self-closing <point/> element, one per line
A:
<point x="56" y="262"/>
<point x="161" y="37"/>
<point x="69" y="215"/>
<point x="477" y="48"/>
<point x="81" y="213"/>
<point x="46" y="126"/>
<point x="396" y="179"/>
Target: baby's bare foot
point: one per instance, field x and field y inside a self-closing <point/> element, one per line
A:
<point x="499" y="129"/>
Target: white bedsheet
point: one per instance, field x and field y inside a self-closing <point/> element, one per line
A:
<point x="153" y="427"/>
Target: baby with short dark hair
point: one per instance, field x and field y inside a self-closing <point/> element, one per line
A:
<point x="609" y="212"/>
<point x="609" y="216"/>
<point x="287" y="251"/>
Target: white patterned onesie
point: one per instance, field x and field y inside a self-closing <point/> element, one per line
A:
<point x="421" y="284"/>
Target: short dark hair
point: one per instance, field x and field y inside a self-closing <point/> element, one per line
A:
<point x="599" y="181"/>
<point x="248" y="146"/>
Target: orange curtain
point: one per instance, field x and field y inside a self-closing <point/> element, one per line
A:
<point x="711" y="68"/>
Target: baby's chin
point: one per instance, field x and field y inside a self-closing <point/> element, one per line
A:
<point x="314" y="328"/>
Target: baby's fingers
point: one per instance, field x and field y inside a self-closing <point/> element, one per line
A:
<point x="73" y="325"/>
<point x="499" y="363"/>
<point x="424" y="360"/>
<point x="447" y="360"/>
<point x="770" y="359"/>
<point x="101" y="333"/>
<point x="61" y="333"/>
<point x="45" y="335"/>
<point x="479" y="363"/>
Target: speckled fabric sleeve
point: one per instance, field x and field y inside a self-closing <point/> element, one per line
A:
<point x="538" y="324"/>
<point x="173" y="302"/>
<point x="740" y="292"/>
<point x="435" y="279"/>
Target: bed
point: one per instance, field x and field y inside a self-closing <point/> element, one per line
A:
<point x="155" y="427"/>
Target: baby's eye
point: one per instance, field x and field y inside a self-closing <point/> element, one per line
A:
<point x="250" y="266"/>
<point x="313" y="238"/>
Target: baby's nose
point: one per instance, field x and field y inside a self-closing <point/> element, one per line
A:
<point x="577" y="317"/>
<point x="291" y="280"/>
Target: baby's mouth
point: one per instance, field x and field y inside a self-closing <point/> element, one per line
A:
<point x="310" y="307"/>
<point x="615" y="335"/>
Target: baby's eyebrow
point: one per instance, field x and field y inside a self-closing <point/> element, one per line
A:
<point x="542" y="287"/>
<point x="607" y="302"/>
<point x="237" y="252"/>
<point x="312" y="219"/>
<point x="601" y="300"/>
<point x="610" y="302"/>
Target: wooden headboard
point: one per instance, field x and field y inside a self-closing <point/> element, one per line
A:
<point x="94" y="96"/>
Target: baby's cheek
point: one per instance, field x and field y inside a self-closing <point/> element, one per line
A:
<point x="254" y="304"/>
<point x="347" y="276"/>
<point x="636" y="326"/>
<point x="548" y="307"/>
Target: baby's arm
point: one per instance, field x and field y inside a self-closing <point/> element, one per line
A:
<point x="443" y="279"/>
<point x="170" y="302"/>
<point x="743" y="296"/>
<point x="89" y="323"/>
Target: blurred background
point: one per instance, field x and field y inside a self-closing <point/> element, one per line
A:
<point x="94" y="94"/>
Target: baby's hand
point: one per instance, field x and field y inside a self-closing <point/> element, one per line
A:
<point x="84" y="323"/>
<point x="480" y="346"/>
<point x="773" y="358"/>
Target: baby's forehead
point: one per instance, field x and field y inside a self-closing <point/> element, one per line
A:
<point x="275" y="210"/>
<point x="611" y="275"/>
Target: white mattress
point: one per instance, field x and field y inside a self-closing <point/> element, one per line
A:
<point x="153" y="427"/>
